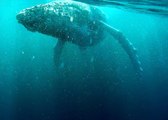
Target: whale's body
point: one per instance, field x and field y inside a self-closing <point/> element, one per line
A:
<point x="75" y="22"/>
<point x="68" y="21"/>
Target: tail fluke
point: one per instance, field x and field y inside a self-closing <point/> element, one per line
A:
<point x="127" y="46"/>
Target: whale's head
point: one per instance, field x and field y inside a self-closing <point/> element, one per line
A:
<point x="31" y="18"/>
<point x="41" y="18"/>
<point x="53" y="18"/>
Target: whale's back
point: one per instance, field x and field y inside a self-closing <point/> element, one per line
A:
<point x="78" y="23"/>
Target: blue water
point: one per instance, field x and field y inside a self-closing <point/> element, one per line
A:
<point x="97" y="84"/>
<point x="146" y="6"/>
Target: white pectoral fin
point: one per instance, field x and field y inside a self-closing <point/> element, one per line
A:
<point x="126" y="44"/>
<point x="57" y="51"/>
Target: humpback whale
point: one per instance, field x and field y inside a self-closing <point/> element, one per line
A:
<point x="71" y="21"/>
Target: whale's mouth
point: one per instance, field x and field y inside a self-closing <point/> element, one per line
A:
<point x="19" y="17"/>
<point x="30" y="28"/>
<point x="27" y="23"/>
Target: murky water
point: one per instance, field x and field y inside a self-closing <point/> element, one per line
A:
<point x="98" y="83"/>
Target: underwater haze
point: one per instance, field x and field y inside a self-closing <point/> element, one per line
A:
<point x="98" y="83"/>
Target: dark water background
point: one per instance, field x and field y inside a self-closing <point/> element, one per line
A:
<point x="97" y="84"/>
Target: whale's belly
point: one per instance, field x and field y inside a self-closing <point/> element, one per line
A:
<point x="84" y="35"/>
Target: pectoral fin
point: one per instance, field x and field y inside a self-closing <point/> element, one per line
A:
<point x="126" y="44"/>
<point x="57" y="51"/>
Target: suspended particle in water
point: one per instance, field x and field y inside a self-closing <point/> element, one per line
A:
<point x="33" y="57"/>
<point x="37" y="78"/>
<point x="91" y="41"/>
<point x="92" y="59"/>
<point x="71" y="19"/>
<point x="61" y="65"/>
<point x="22" y="52"/>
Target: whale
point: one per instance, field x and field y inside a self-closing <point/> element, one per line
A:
<point x="74" y="22"/>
